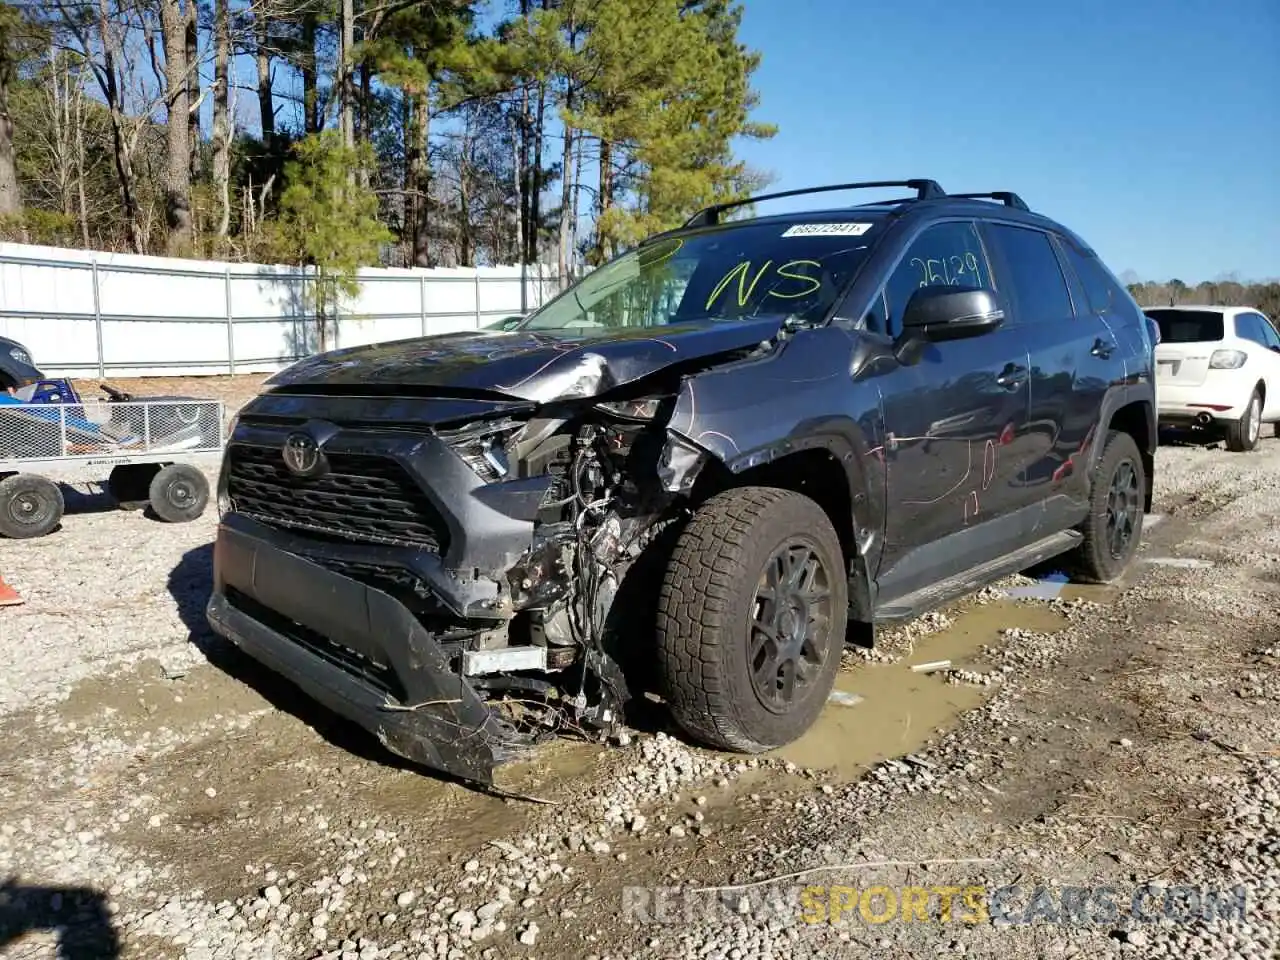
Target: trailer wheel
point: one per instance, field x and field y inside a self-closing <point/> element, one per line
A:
<point x="179" y="493"/>
<point x="30" y="506"/>
<point x="129" y="484"/>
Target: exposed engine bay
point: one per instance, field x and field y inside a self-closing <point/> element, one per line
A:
<point x="613" y="490"/>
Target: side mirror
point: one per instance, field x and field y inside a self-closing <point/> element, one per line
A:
<point x="943" y="313"/>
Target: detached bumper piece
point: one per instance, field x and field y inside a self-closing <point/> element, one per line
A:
<point x="358" y="651"/>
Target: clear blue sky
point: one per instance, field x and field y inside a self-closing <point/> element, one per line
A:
<point x="1151" y="128"/>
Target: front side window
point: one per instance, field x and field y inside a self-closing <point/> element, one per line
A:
<point x="757" y="269"/>
<point x="1032" y="275"/>
<point x="945" y="254"/>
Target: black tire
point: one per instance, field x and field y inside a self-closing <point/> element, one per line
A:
<point x="708" y="604"/>
<point x="1243" y="434"/>
<point x="179" y="493"/>
<point x="30" y="506"/>
<point x="129" y="484"/>
<point x="1097" y="559"/>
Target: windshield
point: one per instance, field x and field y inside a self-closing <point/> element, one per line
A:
<point x="723" y="275"/>
<point x="1187" y="326"/>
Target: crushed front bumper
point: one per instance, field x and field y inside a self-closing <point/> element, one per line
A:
<point x="356" y="650"/>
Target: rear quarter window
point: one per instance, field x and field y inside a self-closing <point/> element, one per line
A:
<point x="1188" y="326"/>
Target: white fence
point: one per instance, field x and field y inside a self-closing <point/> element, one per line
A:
<point x="83" y="313"/>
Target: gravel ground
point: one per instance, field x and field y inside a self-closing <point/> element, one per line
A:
<point x="162" y="797"/>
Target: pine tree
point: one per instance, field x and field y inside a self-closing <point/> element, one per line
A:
<point x="328" y="221"/>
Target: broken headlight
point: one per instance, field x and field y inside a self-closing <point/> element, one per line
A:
<point x="481" y="446"/>
<point x="639" y="409"/>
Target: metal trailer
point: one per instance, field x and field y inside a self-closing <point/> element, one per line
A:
<point x="152" y="450"/>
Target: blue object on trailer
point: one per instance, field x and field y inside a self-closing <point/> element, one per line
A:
<point x="61" y="392"/>
<point x="55" y="391"/>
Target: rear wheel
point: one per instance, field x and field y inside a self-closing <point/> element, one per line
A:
<point x="1113" y="529"/>
<point x="179" y="493"/>
<point x="30" y="506"/>
<point x="1242" y="434"/>
<point x="751" y="619"/>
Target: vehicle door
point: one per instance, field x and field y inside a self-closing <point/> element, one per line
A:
<point x="1260" y="330"/>
<point x="948" y="420"/>
<point x="1075" y="357"/>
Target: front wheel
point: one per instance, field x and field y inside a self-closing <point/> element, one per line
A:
<point x="1113" y="529"/>
<point x="751" y="619"/>
<point x="1242" y="434"/>
<point x="30" y="506"/>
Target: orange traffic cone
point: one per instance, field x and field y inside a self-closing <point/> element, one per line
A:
<point x="9" y="596"/>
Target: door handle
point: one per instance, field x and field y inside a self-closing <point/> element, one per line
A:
<point x="1102" y="348"/>
<point x="1012" y="376"/>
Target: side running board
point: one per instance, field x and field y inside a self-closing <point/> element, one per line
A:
<point x="936" y="594"/>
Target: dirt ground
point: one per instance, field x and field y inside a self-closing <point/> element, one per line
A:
<point x="161" y="797"/>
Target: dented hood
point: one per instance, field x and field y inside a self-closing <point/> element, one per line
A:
<point x="535" y="365"/>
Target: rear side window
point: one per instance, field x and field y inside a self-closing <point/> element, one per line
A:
<point x="1187" y="326"/>
<point x="1032" y="274"/>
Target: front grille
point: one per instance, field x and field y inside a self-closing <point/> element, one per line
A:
<point x="363" y="498"/>
<point x="377" y="674"/>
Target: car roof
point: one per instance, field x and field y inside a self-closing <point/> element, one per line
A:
<point x="904" y="209"/>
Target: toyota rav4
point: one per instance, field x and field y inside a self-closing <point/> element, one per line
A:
<point x="688" y="475"/>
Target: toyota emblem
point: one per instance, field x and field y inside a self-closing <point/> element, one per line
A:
<point x="302" y="455"/>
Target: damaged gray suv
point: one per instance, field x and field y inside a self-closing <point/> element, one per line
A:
<point x="688" y="475"/>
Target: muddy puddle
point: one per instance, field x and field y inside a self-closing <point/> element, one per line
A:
<point x="879" y="711"/>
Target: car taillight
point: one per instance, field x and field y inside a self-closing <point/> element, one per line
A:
<point x="1227" y="359"/>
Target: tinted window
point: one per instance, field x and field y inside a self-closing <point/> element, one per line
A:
<point x="1187" y="326"/>
<point x="1272" y="337"/>
<point x="946" y="254"/>
<point x="1249" y="326"/>
<point x="1032" y="275"/>
<point x="1097" y="285"/>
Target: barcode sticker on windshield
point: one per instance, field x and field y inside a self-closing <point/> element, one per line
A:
<point x="826" y="230"/>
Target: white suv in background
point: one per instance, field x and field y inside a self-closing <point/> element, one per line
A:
<point x="1218" y="366"/>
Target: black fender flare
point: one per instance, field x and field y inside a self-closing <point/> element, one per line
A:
<point x="851" y="450"/>
<point x="1117" y="397"/>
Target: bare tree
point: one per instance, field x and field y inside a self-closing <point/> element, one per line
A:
<point x="346" y="90"/>
<point x="222" y="112"/>
<point x="173" y="27"/>
<point x="10" y="197"/>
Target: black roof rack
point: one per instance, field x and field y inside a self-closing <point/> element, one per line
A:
<point x="709" y="216"/>
<point x="1004" y="196"/>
